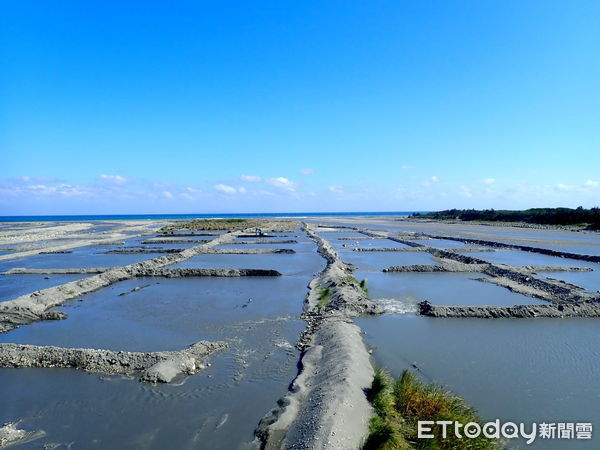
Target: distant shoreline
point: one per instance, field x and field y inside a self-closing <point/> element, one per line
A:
<point x="98" y="217"/>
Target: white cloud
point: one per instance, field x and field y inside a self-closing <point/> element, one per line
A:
<point x="489" y="181"/>
<point x="192" y="190"/>
<point x="465" y="192"/>
<point x="114" y="179"/>
<point x="336" y="189"/>
<point x="251" y="178"/>
<point x="563" y="187"/>
<point x="186" y="196"/>
<point x="307" y="171"/>
<point x="433" y="179"/>
<point x="242" y="190"/>
<point x="283" y="183"/>
<point x="264" y="192"/>
<point x="225" y="189"/>
<point x="167" y="194"/>
<point x="591" y="184"/>
<point x="405" y="166"/>
<point x="65" y="190"/>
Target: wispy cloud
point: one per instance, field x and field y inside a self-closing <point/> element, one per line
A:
<point x="307" y="171"/>
<point x="488" y="181"/>
<point x="465" y="192"/>
<point x="225" y="189"/>
<point x="432" y="180"/>
<point x="114" y="179"/>
<point x="282" y="183"/>
<point x="251" y="178"/>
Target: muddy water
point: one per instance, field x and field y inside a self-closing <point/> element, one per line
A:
<point x="587" y="280"/>
<point x="440" y="289"/>
<point x="517" y="370"/>
<point x="258" y="317"/>
<point x="92" y="256"/>
<point x="305" y="262"/>
<point x="521" y="258"/>
<point x="439" y="243"/>
<point x="567" y="241"/>
<point x="12" y="286"/>
<point x="377" y="261"/>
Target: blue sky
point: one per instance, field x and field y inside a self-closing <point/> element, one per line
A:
<point x="286" y="106"/>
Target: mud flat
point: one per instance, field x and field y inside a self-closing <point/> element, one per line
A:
<point x="38" y="305"/>
<point x="62" y="238"/>
<point x="256" y="311"/>
<point x="512" y="278"/>
<point x="179" y="298"/>
<point x="525" y="248"/>
<point x="326" y="406"/>
<point x="161" y="367"/>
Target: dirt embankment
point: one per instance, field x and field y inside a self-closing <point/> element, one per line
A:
<point x="326" y="406"/>
<point x="199" y="272"/>
<point x="267" y="241"/>
<point x="126" y="251"/>
<point x="386" y="249"/>
<point x="161" y="367"/>
<point x="454" y="266"/>
<point x="588" y="308"/>
<point x="249" y="251"/>
<point x="174" y="241"/>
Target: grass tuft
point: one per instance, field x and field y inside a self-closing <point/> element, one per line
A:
<point x="324" y="297"/>
<point x="400" y="404"/>
<point x="363" y="286"/>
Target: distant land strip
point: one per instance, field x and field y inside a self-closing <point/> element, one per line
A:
<point x="585" y="218"/>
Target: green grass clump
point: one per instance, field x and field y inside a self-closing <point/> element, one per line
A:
<point x="324" y="297"/>
<point x="400" y="404"/>
<point x="386" y="428"/>
<point x="350" y="279"/>
<point x="363" y="286"/>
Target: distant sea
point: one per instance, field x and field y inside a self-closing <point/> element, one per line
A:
<point x="79" y="218"/>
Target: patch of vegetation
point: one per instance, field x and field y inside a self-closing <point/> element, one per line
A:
<point x="589" y="218"/>
<point x="350" y="279"/>
<point x="363" y="286"/>
<point x="231" y="224"/>
<point x="324" y="297"/>
<point x="400" y="404"/>
<point x="211" y="224"/>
